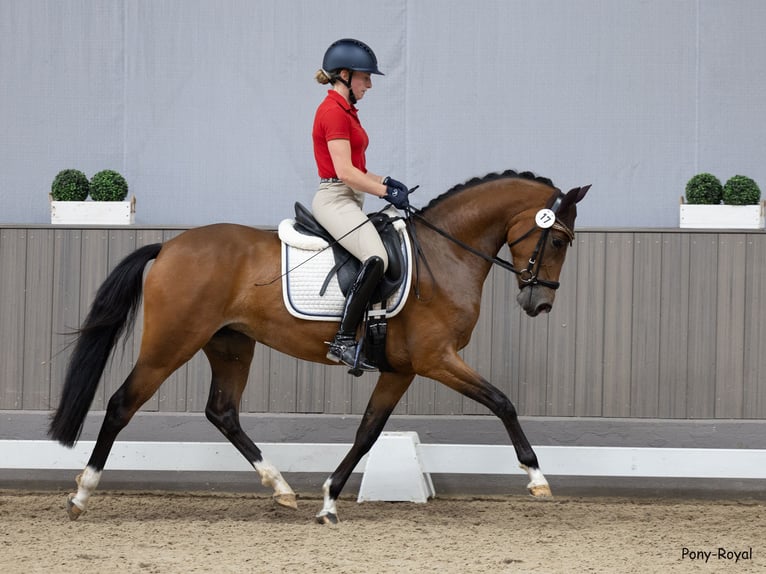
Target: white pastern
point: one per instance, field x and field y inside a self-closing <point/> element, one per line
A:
<point x="270" y="476"/>
<point x="87" y="482"/>
<point x="329" y="507"/>
<point x="536" y="478"/>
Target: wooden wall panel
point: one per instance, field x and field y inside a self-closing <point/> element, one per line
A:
<point x="589" y="330"/>
<point x="256" y="397"/>
<point x="311" y="388"/>
<point x="618" y="317"/>
<point x="13" y="262"/>
<point x="645" y="333"/>
<point x="730" y="326"/>
<point x="533" y="364"/>
<point x="421" y="398"/>
<point x="562" y="344"/>
<point x="701" y="332"/>
<point x="673" y="305"/>
<point x="754" y="397"/>
<point x="283" y="395"/>
<point x="38" y="312"/>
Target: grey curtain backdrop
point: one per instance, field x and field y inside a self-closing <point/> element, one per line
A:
<point x="206" y="106"/>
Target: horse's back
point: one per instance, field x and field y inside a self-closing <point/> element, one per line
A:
<point x="221" y="241"/>
<point x="217" y="233"/>
<point x="221" y="252"/>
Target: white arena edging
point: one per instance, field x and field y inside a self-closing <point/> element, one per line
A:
<point x="388" y="454"/>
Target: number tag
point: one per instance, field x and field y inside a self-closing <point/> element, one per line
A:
<point x="545" y="218"/>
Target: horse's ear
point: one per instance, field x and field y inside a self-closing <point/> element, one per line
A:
<point x="582" y="192"/>
<point x="573" y="196"/>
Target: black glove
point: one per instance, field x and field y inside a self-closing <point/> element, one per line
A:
<point x="396" y="193"/>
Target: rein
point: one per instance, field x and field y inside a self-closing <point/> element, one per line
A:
<point x="527" y="276"/>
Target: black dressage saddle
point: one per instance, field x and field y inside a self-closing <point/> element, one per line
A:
<point x="346" y="265"/>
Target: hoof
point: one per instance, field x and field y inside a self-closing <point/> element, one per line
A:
<point x="540" y="491"/>
<point x="286" y="500"/>
<point x="328" y="518"/>
<point x="72" y="509"/>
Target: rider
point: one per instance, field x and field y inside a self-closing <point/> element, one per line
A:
<point x="340" y="142"/>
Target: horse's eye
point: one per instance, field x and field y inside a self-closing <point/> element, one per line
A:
<point x="558" y="243"/>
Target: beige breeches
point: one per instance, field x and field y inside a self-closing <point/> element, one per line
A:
<point x="339" y="209"/>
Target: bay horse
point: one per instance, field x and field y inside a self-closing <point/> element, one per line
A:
<point x="213" y="288"/>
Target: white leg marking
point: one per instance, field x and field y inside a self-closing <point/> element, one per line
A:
<point x="270" y="476"/>
<point x="329" y="507"/>
<point x="538" y="485"/>
<point x="86" y="484"/>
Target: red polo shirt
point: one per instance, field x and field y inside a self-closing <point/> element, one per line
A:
<point x="336" y="119"/>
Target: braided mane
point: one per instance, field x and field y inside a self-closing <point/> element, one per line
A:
<point x="487" y="178"/>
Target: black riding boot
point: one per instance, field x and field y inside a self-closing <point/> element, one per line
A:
<point x="344" y="347"/>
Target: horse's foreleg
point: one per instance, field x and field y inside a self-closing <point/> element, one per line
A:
<point x="230" y="354"/>
<point x="386" y="395"/>
<point x="460" y="377"/>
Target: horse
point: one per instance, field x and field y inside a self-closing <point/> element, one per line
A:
<point x="213" y="288"/>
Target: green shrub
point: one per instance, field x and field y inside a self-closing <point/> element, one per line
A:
<point x="741" y="190"/>
<point x="70" y="185"/>
<point x="704" y="189"/>
<point x="108" y="185"/>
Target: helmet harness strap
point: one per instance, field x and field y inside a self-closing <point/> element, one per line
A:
<point x="347" y="83"/>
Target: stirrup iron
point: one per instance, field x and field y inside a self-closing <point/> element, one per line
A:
<point x="346" y="350"/>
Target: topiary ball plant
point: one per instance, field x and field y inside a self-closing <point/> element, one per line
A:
<point x="70" y="185"/>
<point x="704" y="189"/>
<point x="108" y="185"/>
<point x="741" y="190"/>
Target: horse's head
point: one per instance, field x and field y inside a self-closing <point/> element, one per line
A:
<point x="538" y="240"/>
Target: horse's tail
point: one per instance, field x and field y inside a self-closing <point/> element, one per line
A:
<point x="113" y="311"/>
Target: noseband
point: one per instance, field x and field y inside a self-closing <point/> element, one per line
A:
<point x="527" y="276"/>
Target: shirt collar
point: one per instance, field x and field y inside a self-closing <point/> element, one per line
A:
<point x="341" y="100"/>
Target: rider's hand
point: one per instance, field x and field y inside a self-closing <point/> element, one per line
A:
<point x="396" y="193"/>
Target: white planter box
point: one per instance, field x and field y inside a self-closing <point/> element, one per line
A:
<point x="93" y="212"/>
<point x="722" y="216"/>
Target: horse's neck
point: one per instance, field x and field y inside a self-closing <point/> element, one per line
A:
<point x="480" y="216"/>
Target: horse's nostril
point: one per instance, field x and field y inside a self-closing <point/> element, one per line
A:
<point x="544" y="308"/>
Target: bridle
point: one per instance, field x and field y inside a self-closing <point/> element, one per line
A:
<point x="546" y="220"/>
<point x="529" y="276"/>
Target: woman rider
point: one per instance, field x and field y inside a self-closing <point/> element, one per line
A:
<point x="340" y="142"/>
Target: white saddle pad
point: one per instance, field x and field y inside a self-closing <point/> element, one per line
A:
<point x="306" y="261"/>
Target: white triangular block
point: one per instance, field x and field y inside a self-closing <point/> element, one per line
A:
<point x="393" y="472"/>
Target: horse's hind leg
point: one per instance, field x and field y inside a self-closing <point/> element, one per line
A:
<point x="386" y="395"/>
<point x="140" y="385"/>
<point x="230" y="354"/>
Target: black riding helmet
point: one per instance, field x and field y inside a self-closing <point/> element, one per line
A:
<point x="352" y="55"/>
